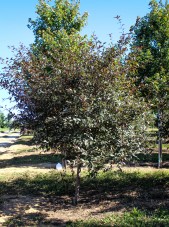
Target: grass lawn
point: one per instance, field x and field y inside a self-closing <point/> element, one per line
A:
<point x="131" y="219"/>
<point x="4" y="130"/>
<point x="32" y="195"/>
<point x="130" y="198"/>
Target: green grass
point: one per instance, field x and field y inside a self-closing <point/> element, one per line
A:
<point x="25" y="220"/>
<point x="21" y="151"/>
<point x="52" y="183"/>
<point x="106" y="183"/>
<point x="152" y="129"/>
<point x="30" y="159"/>
<point x="135" y="218"/>
<point x="24" y="140"/>
<point x="166" y="146"/>
<point x="4" y="130"/>
<point x="131" y="191"/>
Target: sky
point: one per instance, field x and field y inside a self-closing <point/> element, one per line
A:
<point x="14" y="16"/>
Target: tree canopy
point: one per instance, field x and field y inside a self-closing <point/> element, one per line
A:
<point x="55" y="22"/>
<point x="151" y="43"/>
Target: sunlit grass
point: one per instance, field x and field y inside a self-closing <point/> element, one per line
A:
<point x="5" y="129"/>
<point x="133" y="218"/>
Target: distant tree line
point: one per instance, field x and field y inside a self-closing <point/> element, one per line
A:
<point x="5" y="121"/>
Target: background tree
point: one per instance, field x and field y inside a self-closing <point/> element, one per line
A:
<point x="55" y="22"/>
<point x="3" y="120"/>
<point x="151" y="43"/>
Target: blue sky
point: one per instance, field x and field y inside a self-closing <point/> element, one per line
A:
<point x="14" y="16"/>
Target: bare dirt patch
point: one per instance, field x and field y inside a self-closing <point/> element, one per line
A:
<point x="55" y="211"/>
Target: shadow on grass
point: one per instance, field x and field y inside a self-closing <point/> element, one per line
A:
<point x="111" y="186"/>
<point x="9" y="136"/>
<point x="114" y="191"/>
<point x="6" y="144"/>
<point x="133" y="218"/>
<point x="30" y="160"/>
<point x="17" y="142"/>
<point x="25" y="219"/>
<point x="24" y="140"/>
<point x="33" y="219"/>
<point x="153" y="157"/>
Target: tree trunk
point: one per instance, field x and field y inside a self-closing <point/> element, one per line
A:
<point x="77" y="186"/>
<point x="159" y="153"/>
<point x="159" y="139"/>
<point x="64" y="160"/>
